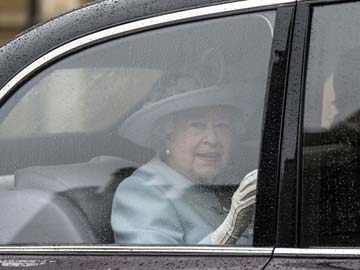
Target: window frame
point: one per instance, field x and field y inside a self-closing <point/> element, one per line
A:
<point x="263" y="246"/>
<point x="289" y="234"/>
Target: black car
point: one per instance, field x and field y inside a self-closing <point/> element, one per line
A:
<point x="71" y="90"/>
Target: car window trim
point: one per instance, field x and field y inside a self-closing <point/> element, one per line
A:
<point x="290" y="180"/>
<point x="317" y="252"/>
<point x="134" y="250"/>
<point x="132" y="27"/>
<point x="265" y="228"/>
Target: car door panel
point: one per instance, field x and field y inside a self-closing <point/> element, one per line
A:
<point x="45" y="144"/>
<point x="319" y="229"/>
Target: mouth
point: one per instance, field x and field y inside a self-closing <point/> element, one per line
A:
<point x="209" y="157"/>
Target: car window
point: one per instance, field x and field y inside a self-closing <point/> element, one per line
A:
<point x="330" y="214"/>
<point x="76" y="104"/>
<point x="151" y="139"/>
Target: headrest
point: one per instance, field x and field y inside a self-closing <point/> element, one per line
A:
<point x="98" y="172"/>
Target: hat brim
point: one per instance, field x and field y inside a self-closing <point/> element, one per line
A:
<point x="138" y="126"/>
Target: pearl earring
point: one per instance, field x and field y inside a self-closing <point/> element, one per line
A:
<point x="167" y="152"/>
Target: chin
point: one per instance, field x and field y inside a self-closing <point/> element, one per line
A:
<point x="206" y="177"/>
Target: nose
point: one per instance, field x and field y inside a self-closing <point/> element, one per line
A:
<point x="211" y="136"/>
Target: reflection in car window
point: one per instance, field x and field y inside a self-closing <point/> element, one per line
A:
<point x="147" y="139"/>
<point x="75" y="104"/>
<point x="331" y="129"/>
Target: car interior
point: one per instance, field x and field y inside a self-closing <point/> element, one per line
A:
<point x="331" y="160"/>
<point x="59" y="182"/>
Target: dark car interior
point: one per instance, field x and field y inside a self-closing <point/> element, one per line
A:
<point x="332" y="164"/>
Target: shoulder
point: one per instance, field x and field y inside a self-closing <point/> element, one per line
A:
<point x="154" y="180"/>
<point x="142" y="196"/>
<point x="143" y="183"/>
<point x="155" y="173"/>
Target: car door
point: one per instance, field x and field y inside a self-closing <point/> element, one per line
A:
<point x="67" y="94"/>
<point x="319" y="203"/>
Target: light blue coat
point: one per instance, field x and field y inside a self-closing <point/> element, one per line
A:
<point x="156" y="205"/>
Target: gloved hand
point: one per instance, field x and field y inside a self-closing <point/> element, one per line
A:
<point x="240" y="214"/>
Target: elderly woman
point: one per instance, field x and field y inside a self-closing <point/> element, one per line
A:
<point x="164" y="201"/>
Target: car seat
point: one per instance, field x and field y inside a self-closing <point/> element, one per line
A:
<point x="86" y="187"/>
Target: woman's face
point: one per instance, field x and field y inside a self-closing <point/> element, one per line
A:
<point x="200" y="142"/>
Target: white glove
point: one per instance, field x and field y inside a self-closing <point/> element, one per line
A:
<point x="240" y="214"/>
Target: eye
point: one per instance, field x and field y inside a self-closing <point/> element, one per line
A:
<point x="197" y="124"/>
<point x="223" y="125"/>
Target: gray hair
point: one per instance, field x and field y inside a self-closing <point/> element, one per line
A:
<point x="159" y="134"/>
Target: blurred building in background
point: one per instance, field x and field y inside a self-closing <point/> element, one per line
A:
<point x="18" y="15"/>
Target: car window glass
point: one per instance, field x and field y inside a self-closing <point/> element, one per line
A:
<point x="331" y="129"/>
<point x="75" y="104"/>
<point x="142" y="139"/>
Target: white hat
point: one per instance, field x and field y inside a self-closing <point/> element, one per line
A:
<point x="139" y="126"/>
